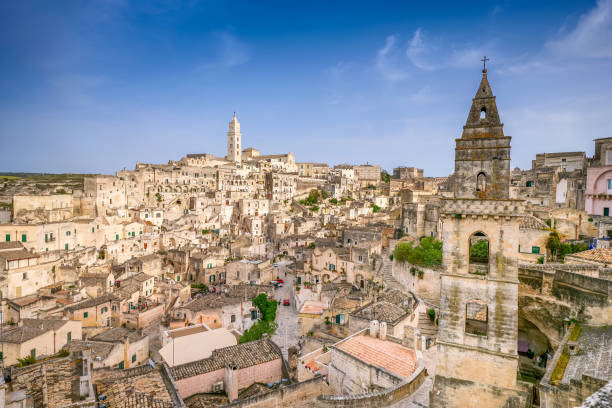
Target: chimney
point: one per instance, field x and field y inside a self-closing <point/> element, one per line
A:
<point x="231" y="382"/>
<point x="382" y="330"/>
<point x="373" y="328"/>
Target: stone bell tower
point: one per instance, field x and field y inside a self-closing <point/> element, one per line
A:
<point x="234" y="141"/>
<point x="477" y="358"/>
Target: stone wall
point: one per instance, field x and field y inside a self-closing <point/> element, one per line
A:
<point x="427" y="287"/>
<point x="376" y="399"/>
<point x="453" y="392"/>
<point x="299" y="395"/>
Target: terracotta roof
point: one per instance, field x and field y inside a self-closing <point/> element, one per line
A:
<point x="531" y="222"/>
<point x="241" y="355"/>
<point x="388" y="355"/>
<point x="603" y="255"/>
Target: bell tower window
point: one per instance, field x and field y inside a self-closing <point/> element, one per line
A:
<point x="481" y="182"/>
<point x="483" y="113"/>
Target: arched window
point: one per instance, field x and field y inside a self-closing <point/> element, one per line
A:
<point x="483" y="113"/>
<point x="481" y="182"/>
<point x="479" y="254"/>
<point x="476" y="317"/>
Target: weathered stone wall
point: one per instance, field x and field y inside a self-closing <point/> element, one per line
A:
<point x="453" y="392"/>
<point x="379" y="398"/>
<point x="427" y="287"/>
<point x="299" y="395"/>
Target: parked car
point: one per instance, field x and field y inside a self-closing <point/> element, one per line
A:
<point x="279" y="280"/>
<point x="286" y="302"/>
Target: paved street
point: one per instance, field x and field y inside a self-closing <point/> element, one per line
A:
<point x="286" y="316"/>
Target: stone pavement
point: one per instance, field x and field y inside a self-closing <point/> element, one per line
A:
<point x="286" y="316"/>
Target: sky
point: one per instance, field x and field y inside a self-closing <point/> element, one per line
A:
<point x="93" y="87"/>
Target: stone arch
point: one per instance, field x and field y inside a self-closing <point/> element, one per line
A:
<point x="476" y="317"/>
<point x="483" y="113"/>
<point x="478" y="253"/>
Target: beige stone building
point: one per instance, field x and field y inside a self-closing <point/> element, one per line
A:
<point x="37" y="338"/>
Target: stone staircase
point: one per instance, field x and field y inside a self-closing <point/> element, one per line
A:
<point x="389" y="281"/>
<point x="426" y="326"/>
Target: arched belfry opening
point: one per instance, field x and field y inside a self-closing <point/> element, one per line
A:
<point x="483" y="112"/>
<point x="481" y="182"/>
<point x="479" y="254"/>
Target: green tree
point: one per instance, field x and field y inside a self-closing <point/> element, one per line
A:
<point x="158" y="197"/>
<point x="375" y="208"/>
<point x="479" y="251"/>
<point x="385" y="177"/>
<point x="256" y="331"/>
<point x="334" y="201"/>
<point x="427" y="253"/>
<point x="553" y="244"/>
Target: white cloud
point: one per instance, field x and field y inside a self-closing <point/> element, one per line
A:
<point x="426" y="56"/>
<point x="387" y="61"/>
<point x="592" y="36"/>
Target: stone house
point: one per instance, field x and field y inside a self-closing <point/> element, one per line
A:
<point x="230" y="369"/>
<point x="532" y="239"/>
<point x="394" y="316"/>
<point x="116" y="347"/>
<point x="22" y="270"/>
<point x="217" y="310"/>
<point x="370" y="362"/>
<point x="192" y="343"/>
<point x="37" y="338"/>
<point x="97" y="312"/>
<point x="28" y="307"/>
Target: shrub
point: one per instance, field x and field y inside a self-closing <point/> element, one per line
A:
<point x="428" y="253"/>
<point x="311" y="245"/>
<point x="457" y="216"/>
<point x="432" y="314"/>
<point x="266" y="307"/>
<point x="541" y="260"/>
<point x="375" y="208"/>
<point x="63" y="353"/>
<point x="590" y="219"/>
<point x="334" y="201"/>
<point x="421" y="274"/>
<point x="257" y="331"/>
<point x="327" y="322"/>
<point x="158" y="197"/>
<point x="391" y="257"/>
<point x="385" y="177"/>
<point x="27" y="360"/>
<point x="324" y="348"/>
<point x="553" y="244"/>
<point x="205" y="231"/>
<point x="314" y="208"/>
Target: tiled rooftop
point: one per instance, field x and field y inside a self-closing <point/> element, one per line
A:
<point x="595" y="356"/>
<point x="388" y="355"/>
<point x="242" y="355"/>
<point x="599" y="254"/>
<point x="381" y="311"/>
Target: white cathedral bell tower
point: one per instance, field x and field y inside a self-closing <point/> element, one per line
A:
<point x="234" y="141"/>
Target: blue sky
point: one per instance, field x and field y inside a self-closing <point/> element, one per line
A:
<point x="97" y="86"/>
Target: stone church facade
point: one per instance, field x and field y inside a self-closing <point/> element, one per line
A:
<point x="478" y="324"/>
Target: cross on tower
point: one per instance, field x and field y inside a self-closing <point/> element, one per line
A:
<point x="484" y="63"/>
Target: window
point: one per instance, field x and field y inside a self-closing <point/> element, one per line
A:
<point x="85" y="315"/>
<point x="67" y="233"/>
<point x="233" y="318"/>
<point x="606" y="211"/>
<point x="476" y="317"/>
<point x="211" y="278"/>
<point x="483" y="113"/>
<point x="33" y="353"/>
<point x="68" y="336"/>
<point x="23" y="238"/>
<point x="609" y="184"/>
<point x="133" y="358"/>
<point x="25" y="275"/>
<point x="121" y="365"/>
<point x="479" y="254"/>
<point x="7" y="237"/>
<point x="93" y="229"/>
<point x="481" y="182"/>
<point x="104" y="310"/>
<point x="116" y="237"/>
<point x="253" y="314"/>
<point x="529" y="184"/>
<point x="535" y="250"/>
<point x="66" y="247"/>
